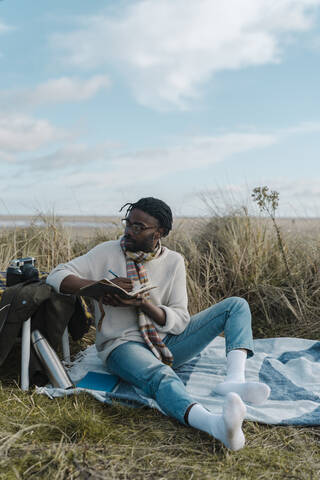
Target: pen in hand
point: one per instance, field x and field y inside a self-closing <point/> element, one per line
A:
<point x="113" y="273"/>
<point x="126" y="283"/>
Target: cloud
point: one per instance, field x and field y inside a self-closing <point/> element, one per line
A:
<point x="102" y="172"/>
<point x="4" y="28"/>
<point x="168" y="50"/>
<point x="57" y="90"/>
<point x="112" y="169"/>
<point x="302" y="128"/>
<point x="21" y="133"/>
<point x="302" y="189"/>
<point x="73" y="155"/>
<point x="296" y="197"/>
<point x="103" y="176"/>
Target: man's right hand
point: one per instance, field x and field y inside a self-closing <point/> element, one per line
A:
<point x="123" y="282"/>
<point x="72" y="283"/>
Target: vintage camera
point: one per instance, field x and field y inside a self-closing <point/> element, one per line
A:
<point x="21" y="270"/>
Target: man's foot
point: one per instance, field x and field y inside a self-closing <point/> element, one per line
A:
<point x="251" y="392"/>
<point x="227" y="428"/>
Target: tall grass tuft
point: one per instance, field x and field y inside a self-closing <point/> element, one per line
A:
<point x="45" y="239"/>
<point x="239" y="255"/>
<point x="48" y="241"/>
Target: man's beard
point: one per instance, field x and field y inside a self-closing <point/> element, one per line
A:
<point x="146" y="246"/>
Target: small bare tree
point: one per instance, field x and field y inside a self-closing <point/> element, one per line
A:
<point x="268" y="202"/>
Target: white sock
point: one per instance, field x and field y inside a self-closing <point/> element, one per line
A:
<point x="236" y="366"/>
<point x="252" y="392"/>
<point x="225" y="427"/>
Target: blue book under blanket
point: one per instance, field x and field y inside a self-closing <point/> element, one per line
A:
<point x="98" y="381"/>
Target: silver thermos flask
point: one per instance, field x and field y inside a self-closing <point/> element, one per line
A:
<point x="54" y="368"/>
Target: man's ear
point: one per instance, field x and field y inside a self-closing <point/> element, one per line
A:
<point x="159" y="233"/>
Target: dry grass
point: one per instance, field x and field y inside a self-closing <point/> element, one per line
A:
<point x="238" y="255"/>
<point x="48" y="241"/>
<point x="79" y="438"/>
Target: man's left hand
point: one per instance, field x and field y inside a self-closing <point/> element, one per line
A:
<point x="155" y="313"/>
<point x="117" y="301"/>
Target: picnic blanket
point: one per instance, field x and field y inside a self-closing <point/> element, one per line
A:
<point x="290" y="366"/>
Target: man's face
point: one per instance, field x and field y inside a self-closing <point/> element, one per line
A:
<point x="147" y="238"/>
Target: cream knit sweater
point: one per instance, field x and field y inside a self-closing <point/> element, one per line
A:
<point x="167" y="272"/>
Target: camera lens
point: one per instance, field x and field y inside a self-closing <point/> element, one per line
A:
<point x="29" y="272"/>
<point x="14" y="276"/>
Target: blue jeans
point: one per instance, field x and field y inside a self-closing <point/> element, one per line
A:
<point x="136" y="364"/>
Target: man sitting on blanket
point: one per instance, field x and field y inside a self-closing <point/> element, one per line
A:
<point x="144" y="339"/>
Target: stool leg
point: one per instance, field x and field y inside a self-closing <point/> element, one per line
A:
<point x="25" y="354"/>
<point x="66" y="346"/>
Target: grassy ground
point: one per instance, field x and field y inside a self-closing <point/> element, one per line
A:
<point x="80" y="438"/>
<point x="77" y="437"/>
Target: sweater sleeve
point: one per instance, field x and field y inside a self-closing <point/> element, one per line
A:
<point x="176" y="308"/>
<point x="80" y="266"/>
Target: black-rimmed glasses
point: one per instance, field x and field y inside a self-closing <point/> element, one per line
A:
<point x="135" y="227"/>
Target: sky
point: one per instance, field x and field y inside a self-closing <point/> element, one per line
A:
<point x="194" y="102"/>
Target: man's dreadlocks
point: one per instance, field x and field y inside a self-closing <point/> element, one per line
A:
<point x="154" y="207"/>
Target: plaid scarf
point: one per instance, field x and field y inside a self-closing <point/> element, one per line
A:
<point x="137" y="272"/>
